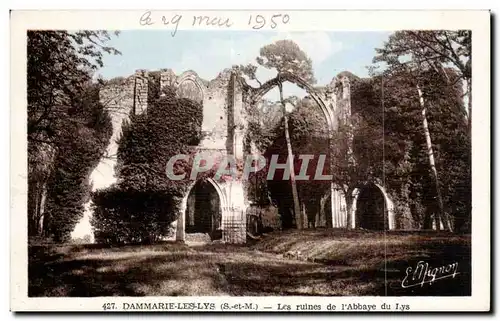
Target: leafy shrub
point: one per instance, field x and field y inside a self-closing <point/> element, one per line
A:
<point x="144" y="202"/>
<point x="81" y="143"/>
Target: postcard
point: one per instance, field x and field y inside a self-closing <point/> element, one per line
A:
<point x="250" y="161"/>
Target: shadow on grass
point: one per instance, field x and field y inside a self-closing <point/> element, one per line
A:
<point x="363" y="264"/>
<point x="252" y="279"/>
<point x="352" y="264"/>
<point x="134" y="274"/>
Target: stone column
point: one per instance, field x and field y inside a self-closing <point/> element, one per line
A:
<point x="180" y="232"/>
<point x="355" y="194"/>
<point x="339" y="208"/>
<point x="346" y="88"/>
<point x="167" y="79"/>
<point x="141" y="91"/>
<point x="335" y="208"/>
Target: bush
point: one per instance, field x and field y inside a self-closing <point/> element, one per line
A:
<point x="142" y="205"/>
<point x="129" y="216"/>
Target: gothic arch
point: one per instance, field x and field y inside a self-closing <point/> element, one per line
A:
<point x="191" y="220"/>
<point x="301" y="83"/>
<point x="218" y="189"/>
<point x="181" y="224"/>
<point x="191" y="76"/>
<point x="388" y="206"/>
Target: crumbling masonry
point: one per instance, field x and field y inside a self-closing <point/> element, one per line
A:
<point x="225" y="101"/>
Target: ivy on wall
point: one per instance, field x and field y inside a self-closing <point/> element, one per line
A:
<point x="144" y="201"/>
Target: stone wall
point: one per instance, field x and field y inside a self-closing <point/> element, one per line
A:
<point x="224" y="127"/>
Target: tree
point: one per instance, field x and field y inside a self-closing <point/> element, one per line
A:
<point x="450" y="49"/>
<point x="404" y="53"/>
<point x="59" y="76"/>
<point x="144" y="202"/>
<point x="451" y="144"/>
<point x="438" y="49"/>
<point x="60" y="66"/>
<point x="426" y="85"/>
<point x="40" y="167"/>
<point x="286" y="58"/>
<point x="79" y="149"/>
<point x="309" y="136"/>
<point x="263" y="128"/>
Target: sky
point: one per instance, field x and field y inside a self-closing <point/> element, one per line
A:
<point x="209" y="52"/>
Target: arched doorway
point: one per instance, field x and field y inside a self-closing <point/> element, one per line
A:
<point x="203" y="210"/>
<point x="371" y="211"/>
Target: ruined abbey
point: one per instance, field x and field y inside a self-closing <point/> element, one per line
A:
<point x="225" y="101"/>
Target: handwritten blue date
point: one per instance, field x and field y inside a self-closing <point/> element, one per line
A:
<point x="260" y="21"/>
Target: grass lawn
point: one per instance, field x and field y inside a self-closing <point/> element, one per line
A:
<point x="309" y="262"/>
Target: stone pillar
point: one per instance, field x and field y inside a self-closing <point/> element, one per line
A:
<point x="238" y="150"/>
<point x="237" y="124"/>
<point x="141" y="91"/>
<point x="330" y="98"/>
<point x="335" y="207"/>
<point x="339" y="208"/>
<point x="346" y="88"/>
<point x="355" y="194"/>
<point x="180" y="232"/>
<point x="167" y="79"/>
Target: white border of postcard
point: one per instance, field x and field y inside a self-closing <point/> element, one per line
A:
<point x="477" y="21"/>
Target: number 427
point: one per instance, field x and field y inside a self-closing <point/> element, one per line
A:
<point x="108" y="306"/>
<point x="259" y="21"/>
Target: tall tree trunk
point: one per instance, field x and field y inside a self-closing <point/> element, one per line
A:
<point x="36" y="204"/>
<point x="469" y="105"/>
<point x="32" y="208"/>
<point x="296" y="205"/>
<point x="440" y="215"/>
<point x="348" y="206"/>
<point x="41" y="209"/>
<point x="321" y="212"/>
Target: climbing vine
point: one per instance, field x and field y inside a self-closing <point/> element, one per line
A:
<point x="144" y="202"/>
